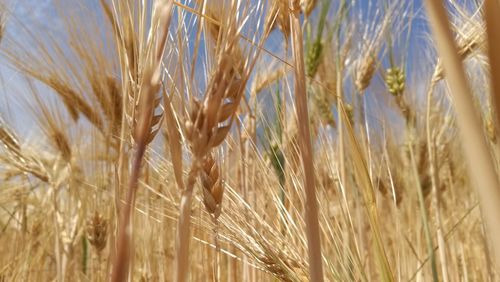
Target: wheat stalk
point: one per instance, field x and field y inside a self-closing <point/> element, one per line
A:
<point x="491" y="9"/>
<point x="142" y="129"/>
<point x="312" y="231"/>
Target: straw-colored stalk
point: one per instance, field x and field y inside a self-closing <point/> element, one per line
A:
<point x="481" y="168"/>
<point x="491" y="10"/>
<point x="142" y="131"/>
<point x="312" y="221"/>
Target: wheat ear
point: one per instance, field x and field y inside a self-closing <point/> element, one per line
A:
<point x="204" y="132"/>
<point x="213" y="190"/>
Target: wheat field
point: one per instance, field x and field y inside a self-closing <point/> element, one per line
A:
<point x="250" y="140"/>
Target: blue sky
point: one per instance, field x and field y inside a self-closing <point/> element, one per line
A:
<point x="40" y="15"/>
<point x="40" y="11"/>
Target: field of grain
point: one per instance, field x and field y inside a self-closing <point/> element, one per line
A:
<point x="250" y="140"/>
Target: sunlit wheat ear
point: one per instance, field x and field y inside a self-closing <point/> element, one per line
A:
<point x="8" y="138"/>
<point x="209" y="120"/>
<point x="371" y="44"/>
<point x="321" y="108"/>
<point x="326" y="95"/>
<point x="322" y="96"/>
<point x="209" y="123"/>
<point x="313" y="58"/>
<point x="18" y="158"/>
<point x="307" y="6"/>
<point x="108" y="94"/>
<point x="395" y="80"/>
<point x="212" y="186"/>
<point x="97" y="231"/>
<point x="365" y="72"/>
<point x="212" y="191"/>
<point x="278" y="17"/>
<point x="53" y="127"/>
<point x="205" y="127"/>
<point x="153" y="119"/>
<point x="471" y="40"/>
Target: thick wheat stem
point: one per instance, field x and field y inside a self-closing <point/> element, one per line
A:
<point x="121" y="261"/>
<point x="183" y="227"/>
<point x="311" y="208"/>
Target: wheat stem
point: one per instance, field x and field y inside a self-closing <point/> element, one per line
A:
<point x="311" y="208"/>
<point x="183" y="237"/>
<point x="122" y="258"/>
